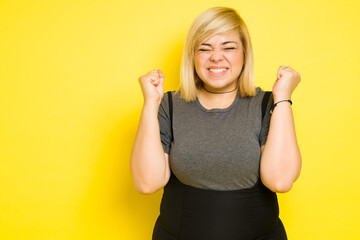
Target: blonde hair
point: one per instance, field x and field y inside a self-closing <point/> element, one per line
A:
<point x="211" y="22"/>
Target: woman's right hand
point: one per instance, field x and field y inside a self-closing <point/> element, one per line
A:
<point x="149" y="164"/>
<point x="152" y="86"/>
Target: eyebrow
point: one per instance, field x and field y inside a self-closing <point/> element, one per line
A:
<point x="224" y="43"/>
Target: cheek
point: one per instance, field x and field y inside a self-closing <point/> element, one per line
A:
<point x="236" y="58"/>
<point x="198" y="62"/>
<point x="237" y="61"/>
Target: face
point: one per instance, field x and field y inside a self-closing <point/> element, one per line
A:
<point x="219" y="60"/>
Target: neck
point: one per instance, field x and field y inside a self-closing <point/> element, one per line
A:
<point x="219" y="91"/>
<point x="212" y="99"/>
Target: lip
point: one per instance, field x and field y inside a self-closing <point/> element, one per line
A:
<point x="217" y="67"/>
<point x="220" y="74"/>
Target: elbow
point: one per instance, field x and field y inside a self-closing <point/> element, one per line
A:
<point x="280" y="186"/>
<point x="149" y="186"/>
<point x="277" y="185"/>
<point x="146" y="189"/>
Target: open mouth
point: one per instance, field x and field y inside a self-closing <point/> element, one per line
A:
<point x="217" y="70"/>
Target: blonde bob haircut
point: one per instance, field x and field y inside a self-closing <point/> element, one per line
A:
<point x="211" y="22"/>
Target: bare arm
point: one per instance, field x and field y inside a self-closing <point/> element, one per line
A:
<point x="149" y="164"/>
<point x="281" y="159"/>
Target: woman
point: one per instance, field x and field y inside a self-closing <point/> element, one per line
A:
<point x="220" y="161"/>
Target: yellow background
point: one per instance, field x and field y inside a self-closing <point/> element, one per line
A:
<point x="70" y="104"/>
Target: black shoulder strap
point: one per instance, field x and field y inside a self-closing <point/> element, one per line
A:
<point x="264" y="104"/>
<point x="170" y="112"/>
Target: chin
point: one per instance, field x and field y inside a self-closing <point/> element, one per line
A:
<point x="220" y="86"/>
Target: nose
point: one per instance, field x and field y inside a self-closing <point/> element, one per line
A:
<point x="216" y="55"/>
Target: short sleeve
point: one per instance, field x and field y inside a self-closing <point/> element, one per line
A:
<point x="266" y="121"/>
<point x="165" y="124"/>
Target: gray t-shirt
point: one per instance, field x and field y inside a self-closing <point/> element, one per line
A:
<point x="216" y="149"/>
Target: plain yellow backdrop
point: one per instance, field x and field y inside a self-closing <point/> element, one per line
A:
<point x="70" y="104"/>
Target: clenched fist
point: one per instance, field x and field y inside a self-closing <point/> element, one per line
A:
<point x="152" y="86"/>
<point x="287" y="80"/>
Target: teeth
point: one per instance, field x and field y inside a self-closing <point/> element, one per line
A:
<point x="217" y="70"/>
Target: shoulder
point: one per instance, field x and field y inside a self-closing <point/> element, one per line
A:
<point x="260" y="103"/>
<point x="259" y="96"/>
<point x="173" y="96"/>
<point x="169" y="96"/>
<point x="264" y="101"/>
<point x="260" y="92"/>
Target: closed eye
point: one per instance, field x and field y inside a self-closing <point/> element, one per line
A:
<point x="203" y="50"/>
<point x="230" y="48"/>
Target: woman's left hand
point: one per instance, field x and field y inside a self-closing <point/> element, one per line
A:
<point x="287" y="80"/>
